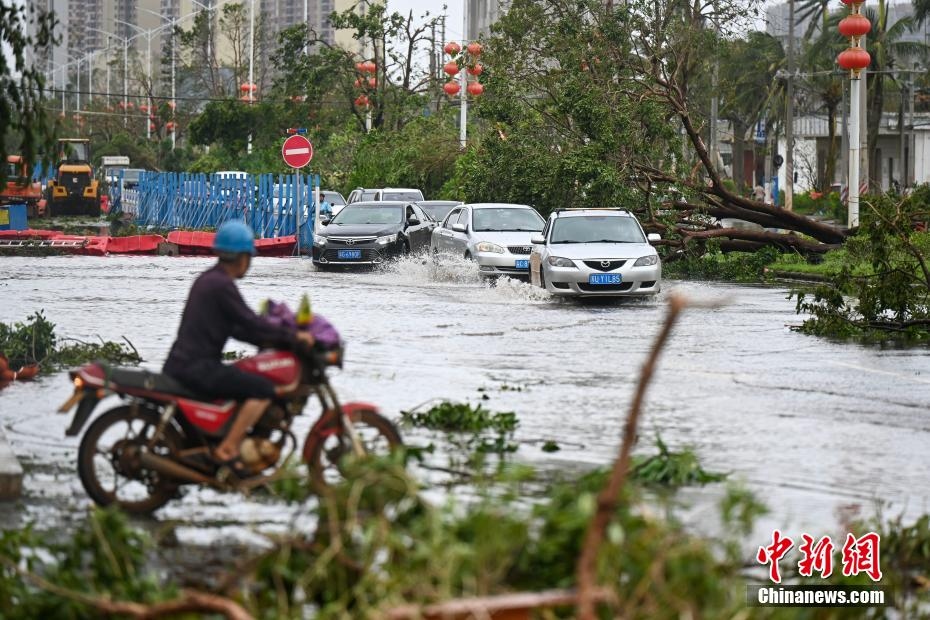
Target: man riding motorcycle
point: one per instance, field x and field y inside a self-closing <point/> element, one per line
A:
<point x="215" y="312"/>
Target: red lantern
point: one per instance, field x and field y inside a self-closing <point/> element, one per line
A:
<point x="372" y="83"/>
<point x="475" y="70"/>
<point x="854" y="59"/>
<point x="852" y="2"/>
<point x="451" y="88"/>
<point x="143" y="108"/>
<point x="451" y="67"/>
<point x="452" y="48"/>
<point x="360" y="67"/>
<point x="247" y="86"/>
<point x="130" y="105"/>
<point x="474" y="49"/>
<point x="475" y="88"/>
<point x="170" y="125"/>
<point x="855" y="25"/>
<point x="369" y="66"/>
<point x="152" y="126"/>
<point x="358" y="82"/>
<point x="362" y="101"/>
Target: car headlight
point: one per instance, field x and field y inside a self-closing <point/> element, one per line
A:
<point x="386" y="239"/>
<point x="647" y="261"/>
<point x="319" y="239"/>
<point x="486" y="246"/>
<point x="557" y="261"/>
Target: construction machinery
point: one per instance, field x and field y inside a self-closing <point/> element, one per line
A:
<point x="74" y="190"/>
<point x="19" y="188"/>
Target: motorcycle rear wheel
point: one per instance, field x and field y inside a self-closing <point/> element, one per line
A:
<point x="325" y="450"/>
<point x="132" y="487"/>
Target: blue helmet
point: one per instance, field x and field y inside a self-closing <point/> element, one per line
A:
<point x="234" y="237"/>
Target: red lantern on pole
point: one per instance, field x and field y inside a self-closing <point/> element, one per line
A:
<point x="170" y="126"/>
<point x="372" y="82"/>
<point x="475" y="70"/>
<point x="452" y="48"/>
<point x="855" y="25"/>
<point x="360" y="67"/>
<point x="370" y="66"/>
<point x="152" y="126"/>
<point x="362" y="101"/>
<point x="451" y="88"/>
<point x="474" y="48"/>
<point x="451" y="68"/>
<point x="358" y="82"/>
<point x="854" y="59"/>
<point x="475" y="88"/>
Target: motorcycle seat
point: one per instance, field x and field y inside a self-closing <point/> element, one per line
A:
<point x="147" y="380"/>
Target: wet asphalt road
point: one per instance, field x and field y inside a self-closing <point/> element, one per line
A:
<point x="812" y="426"/>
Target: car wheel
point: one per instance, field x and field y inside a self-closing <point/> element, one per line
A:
<point x="406" y="249"/>
<point x="468" y="256"/>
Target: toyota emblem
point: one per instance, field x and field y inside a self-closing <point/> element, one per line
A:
<point x="350" y="241"/>
<point x="605" y="263"/>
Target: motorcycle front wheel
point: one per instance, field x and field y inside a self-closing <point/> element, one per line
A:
<point x="109" y="460"/>
<point x="327" y="447"/>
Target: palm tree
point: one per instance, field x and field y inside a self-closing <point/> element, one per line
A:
<point x="921" y="11"/>
<point x="889" y="52"/>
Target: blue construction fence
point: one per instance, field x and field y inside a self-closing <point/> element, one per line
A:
<point x="273" y="205"/>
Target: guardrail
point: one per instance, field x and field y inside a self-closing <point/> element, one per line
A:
<point x="271" y="204"/>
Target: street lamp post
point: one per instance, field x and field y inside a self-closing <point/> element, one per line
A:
<point x="148" y="35"/>
<point x="125" y="68"/>
<point x="855" y="59"/>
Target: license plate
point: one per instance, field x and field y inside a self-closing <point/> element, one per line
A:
<point x="604" y="278"/>
<point x="521" y="264"/>
<point x="350" y="254"/>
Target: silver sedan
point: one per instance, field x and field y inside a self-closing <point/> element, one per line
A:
<point x="495" y="235"/>
<point x="595" y="253"/>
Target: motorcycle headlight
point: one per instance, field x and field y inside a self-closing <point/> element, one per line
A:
<point x="557" y="261"/>
<point x="386" y="239"/>
<point x="319" y="239"/>
<point x="486" y="246"/>
<point x="647" y="261"/>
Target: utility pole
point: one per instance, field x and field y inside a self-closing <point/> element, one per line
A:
<point x="789" y="120"/>
<point x="910" y="140"/>
<point x="902" y="173"/>
<point x="251" y="61"/>
<point x="864" y="154"/>
<point x="844" y="148"/>
<point x="463" y="111"/>
<point x="714" y="101"/>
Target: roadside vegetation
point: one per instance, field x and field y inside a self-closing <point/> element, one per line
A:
<point x="34" y="342"/>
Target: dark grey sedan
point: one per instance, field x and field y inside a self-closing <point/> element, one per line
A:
<point x="368" y="233"/>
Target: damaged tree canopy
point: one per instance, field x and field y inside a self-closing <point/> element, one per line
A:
<point x="592" y="106"/>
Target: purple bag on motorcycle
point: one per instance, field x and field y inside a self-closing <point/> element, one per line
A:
<point x="322" y="330"/>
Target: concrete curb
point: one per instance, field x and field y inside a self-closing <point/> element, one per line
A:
<point x="11" y="472"/>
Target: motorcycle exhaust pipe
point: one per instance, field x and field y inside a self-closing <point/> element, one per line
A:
<point x="176" y="470"/>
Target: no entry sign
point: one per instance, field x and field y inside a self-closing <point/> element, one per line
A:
<point x="297" y="151"/>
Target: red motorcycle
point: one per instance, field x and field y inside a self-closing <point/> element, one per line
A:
<point x="140" y="453"/>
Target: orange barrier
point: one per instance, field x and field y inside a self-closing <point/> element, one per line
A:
<point x="192" y="243"/>
<point x="276" y="246"/>
<point x="137" y="244"/>
<point x="29" y="233"/>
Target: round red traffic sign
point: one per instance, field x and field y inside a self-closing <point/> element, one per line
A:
<point x="297" y="151"/>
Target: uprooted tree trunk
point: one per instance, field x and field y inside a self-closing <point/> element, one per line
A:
<point x="720" y="202"/>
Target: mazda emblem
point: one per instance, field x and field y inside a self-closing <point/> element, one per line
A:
<point x="350" y="241"/>
<point x="605" y="263"/>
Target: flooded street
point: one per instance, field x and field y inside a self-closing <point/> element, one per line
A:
<point x="811" y="426"/>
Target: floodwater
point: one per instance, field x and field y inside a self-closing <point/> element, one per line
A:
<point x="813" y="427"/>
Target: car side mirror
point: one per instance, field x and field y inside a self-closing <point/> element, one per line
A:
<point x="652" y="237"/>
<point x="457" y="227"/>
<point x="413" y="221"/>
<point x="538" y="240"/>
<point x="325" y="219"/>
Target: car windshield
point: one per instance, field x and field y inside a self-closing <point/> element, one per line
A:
<point x="369" y="215"/>
<point x="131" y="176"/>
<point x="402" y="196"/>
<point x="333" y="198"/>
<point x="596" y="229"/>
<point x="438" y="212"/>
<point x="507" y="219"/>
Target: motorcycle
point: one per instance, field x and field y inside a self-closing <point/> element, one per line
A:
<point x="138" y="455"/>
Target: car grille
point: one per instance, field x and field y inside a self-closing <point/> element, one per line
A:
<point x="624" y="286"/>
<point x="346" y="240"/>
<point x="368" y="256"/>
<point x="520" y="249"/>
<point x="610" y="264"/>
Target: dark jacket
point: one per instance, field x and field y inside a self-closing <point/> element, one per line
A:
<point x="215" y="312"/>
